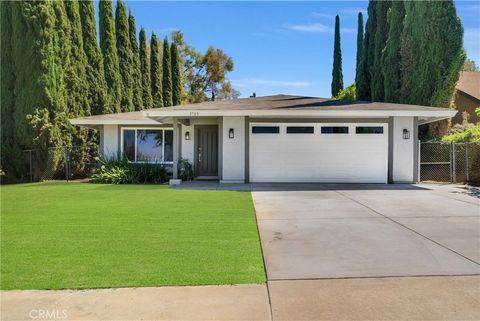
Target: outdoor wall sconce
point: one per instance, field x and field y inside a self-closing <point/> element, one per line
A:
<point x="406" y="134"/>
<point x="230" y="133"/>
<point x="187" y="135"/>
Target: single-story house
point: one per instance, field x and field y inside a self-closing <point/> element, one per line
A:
<point x="467" y="96"/>
<point x="274" y="139"/>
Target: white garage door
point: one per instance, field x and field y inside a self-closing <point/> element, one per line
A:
<point x="349" y="153"/>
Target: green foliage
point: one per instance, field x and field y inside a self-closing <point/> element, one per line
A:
<point x="95" y="73"/>
<point x="137" y="75"/>
<point x="213" y="68"/>
<point x="359" y="46"/>
<point x="463" y="134"/>
<point x="377" y="82"/>
<point x="118" y="170"/>
<point x="166" y="74"/>
<point x="125" y="56"/>
<point x="155" y="73"/>
<point x="349" y="93"/>
<point x="470" y="65"/>
<point x="391" y="60"/>
<point x="337" y="75"/>
<point x="109" y="50"/>
<point x="185" y="170"/>
<point x="366" y="63"/>
<point x="145" y="71"/>
<point x="176" y="75"/>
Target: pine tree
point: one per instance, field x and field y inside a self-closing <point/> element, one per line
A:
<point x="432" y="53"/>
<point x="137" y="76"/>
<point x="391" y="60"/>
<point x="364" y="78"/>
<point x="337" y="76"/>
<point x="176" y="75"/>
<point x="155" y="74"/>
<point x="97" y="86"/>
<point x="359" y="47"/>
<point x="166" y="74"/>
<point x="145" y="71"/>
<point x="109" y="50"/>
<point x="125" y="56"/>
<point x="381" y="28"/>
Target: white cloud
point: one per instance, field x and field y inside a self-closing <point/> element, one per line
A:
<point x="310" y="27"/>
<point x="323" y="15"/>
<point x="269" y="82"/>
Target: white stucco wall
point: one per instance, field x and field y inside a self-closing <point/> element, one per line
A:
<point x="187" y="145"/>
<point x="233" y="150"/>
<point x="109" y="140"/>
<point x="403" y="150"/>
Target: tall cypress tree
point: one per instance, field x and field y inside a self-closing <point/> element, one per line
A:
<point x="366" y="63"/>
<point x="381" y="27"/>
<point x="155" y="73"/>
<point x="137" y="76"/>
<point x="337" y="75"/>
<point x="125" y="56"/>
<point x="166" y="74"/>
<point x="176" y="76"/>
<point x="359" y="47"/>
<point x="145" y="71"/>
<point x="391" y="59"/>
<point x="97" y="87"/>
<point x="109" y="50"/>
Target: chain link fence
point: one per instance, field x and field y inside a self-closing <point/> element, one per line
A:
<point x="64" y="163"/>
<point x="453" y="163"/>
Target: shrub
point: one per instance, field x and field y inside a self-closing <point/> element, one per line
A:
<point x="118" y="170"/>
<point x="463" y="134"/>
<point x="185" y="170"/>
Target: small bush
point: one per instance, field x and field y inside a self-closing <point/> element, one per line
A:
<point x="185" y="170"/>
<point x="118" y="170"/>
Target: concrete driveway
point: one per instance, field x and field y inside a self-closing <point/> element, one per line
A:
<point x="317" y="231"/>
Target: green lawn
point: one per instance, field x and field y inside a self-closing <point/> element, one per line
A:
<point x="77" y="235"/>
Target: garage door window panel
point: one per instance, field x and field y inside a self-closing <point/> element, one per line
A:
<point x="369" y="130"/>
<point x="265" y="130"/>
<point x="334" y="129"/>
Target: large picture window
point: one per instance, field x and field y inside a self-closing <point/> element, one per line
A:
<point x="148" y="145"/>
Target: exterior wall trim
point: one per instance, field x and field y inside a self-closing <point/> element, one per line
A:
<point x="319" y="120"/>
<point x="247" y="149"/>
<point x="415" y="150"/>
<point x="390" y="150"/>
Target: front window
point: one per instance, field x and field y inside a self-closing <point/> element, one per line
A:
<point x="148" y="145"/>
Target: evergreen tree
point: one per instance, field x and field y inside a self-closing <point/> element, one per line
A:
<point x="155" y="74"/>
<point x="337" y="76"/>
<point x="381" y="33"/>
<point x="145" y="71"/>
<point x="109" y="51"/>
<point x="366" y="63"/>
<point x="137" y="76"/>
<point x="359" y="46"/>
<point x="9" y="150"/>
<point x="176" y="76"/>
<point x="166" y="74"/>
<point x="125" y="56"/>
<point x="391" y="60"/>
<point x="432" y="53"/>
<point x="97" y="87"/>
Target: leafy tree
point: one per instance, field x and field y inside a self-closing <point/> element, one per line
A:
<point x="97" y="86"/>
<point x="377" y="83"/>
<point x="337" y="76"/>
<point x="470" y="65"/>
<point x="359" y="46"/>
<point x="125" y="56"/>
<point x="215" y="64"/>
<point x="156" y="77"/>
<point x="391" y="59"/>
<point x="108" y="46"/>
<point x="145" y="71"/>
<point x="349" y="93"/>
<point x="366" y="63"/>
<point x="137" y="75"/>
<point x="176" y="75"/>
<point x="166" y="74"/>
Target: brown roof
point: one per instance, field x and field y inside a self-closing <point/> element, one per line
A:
<point x="469" y="83"/>
<point x="294" y="102"/>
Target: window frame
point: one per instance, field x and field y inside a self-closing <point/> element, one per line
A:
<point x="333" y="126"/>
<point x="163" y="129"/>
<point x="369" y="133"/>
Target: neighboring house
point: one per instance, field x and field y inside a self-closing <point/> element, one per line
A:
<point x="467" y="96"/>
<point x="274" y="139"/>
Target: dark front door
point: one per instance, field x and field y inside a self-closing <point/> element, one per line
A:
<point x="206" y="150"/>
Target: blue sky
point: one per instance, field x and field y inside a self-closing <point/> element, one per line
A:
<point x="278" y="47"/>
